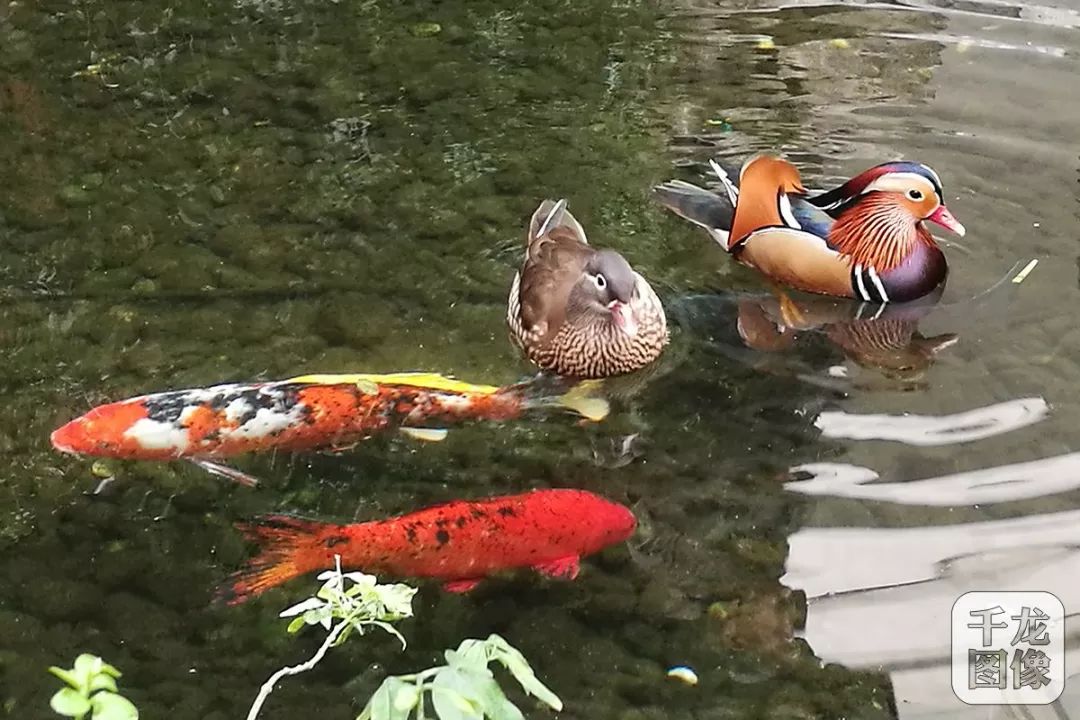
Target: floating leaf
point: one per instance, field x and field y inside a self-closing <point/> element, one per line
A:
<point x="86" y="666"/>
<point x="405" y="696"/>
<point x="449" y="705"/>
<point x="68" y="701"/>
<point x="110" y="706"/>
<point x="381" y="704"/>
<point x="65" y="675"/>
<point x="110" y="670"/>
<point x="301" y="607"/>
<point x="471" y="653"/>
<point x="519" y="667"/>
<point x="496" y="705"/>
<point x="102" y="681"/>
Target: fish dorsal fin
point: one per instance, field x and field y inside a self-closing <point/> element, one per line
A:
<point x="764" y="183"/>
<point x="429" y="381"/>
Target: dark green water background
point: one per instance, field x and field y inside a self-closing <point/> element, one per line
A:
<point x="200" y="192"/>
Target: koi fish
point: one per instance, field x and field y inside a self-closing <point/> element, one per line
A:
<point x="459" y="542"/>
<point x="311" y="412"/>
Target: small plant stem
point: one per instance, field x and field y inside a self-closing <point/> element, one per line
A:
<point x="420" y="713"/>
<point x="268" y="686"/>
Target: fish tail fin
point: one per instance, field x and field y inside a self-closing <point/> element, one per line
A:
<point x="577" y="396"/>
<point x="289" y="547"/>
<point x="705" y="209"/>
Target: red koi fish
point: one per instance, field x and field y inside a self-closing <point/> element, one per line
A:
<point x="313" y="412"/>
<point x="460" y="542"/>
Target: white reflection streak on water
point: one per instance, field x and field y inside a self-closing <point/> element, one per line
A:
<point x="1004" y="483"/>
<point x="928" y="430"/>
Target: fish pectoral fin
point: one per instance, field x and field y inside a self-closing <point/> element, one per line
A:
<point x="566" y="568"/>
<point x="461" y="586"/>
<point x="230" y="473"/>
<point x="425" y="434"/>
<point x="226" y="472"/>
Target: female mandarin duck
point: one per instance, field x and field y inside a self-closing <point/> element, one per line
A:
<point x="578" y="311"/>
<point x="864" y="240"/>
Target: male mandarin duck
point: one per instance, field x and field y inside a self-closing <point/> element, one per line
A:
<point x="579" y="311"/>
<point x="864" y="240"/>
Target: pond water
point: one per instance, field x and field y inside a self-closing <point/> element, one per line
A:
<point x="196" y="193"/>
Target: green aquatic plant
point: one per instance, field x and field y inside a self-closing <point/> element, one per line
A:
<point x="91" y="690"/>
<point x="463" y="689"/>
<point x="342" y="610"/>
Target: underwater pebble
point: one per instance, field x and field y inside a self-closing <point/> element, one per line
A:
<point x="426" y="29"/>
<point x="74" y="196"/>
<point x="101" y="469"/>
<point x="683" y="674"/>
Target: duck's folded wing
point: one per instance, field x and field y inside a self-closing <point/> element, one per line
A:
<point x="799" y="259"/>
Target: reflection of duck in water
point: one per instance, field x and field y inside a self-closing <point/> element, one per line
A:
<point x="864" y="240"/>
<point x="884" y="338"/>
<point x="881" y="337"/>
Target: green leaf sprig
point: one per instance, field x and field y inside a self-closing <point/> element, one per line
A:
<point x="91" y="690"/>
<point x="463" y="689"/>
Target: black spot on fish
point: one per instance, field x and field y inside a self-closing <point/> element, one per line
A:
<point x="167" y="407"/>
<point x="461" y="522"/>
<point x="410" y="533"/>
<point x="507" y="511"/>
<point x="477" y="513"/>
<point x="335" y="540"/>
<point x="442" y="537"/>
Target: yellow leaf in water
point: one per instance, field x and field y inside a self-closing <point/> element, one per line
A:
<point x="840" y="43"/>
<point x="766" y="44"/>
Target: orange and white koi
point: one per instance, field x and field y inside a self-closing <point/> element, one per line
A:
<point x="311" y="412"/>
